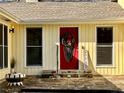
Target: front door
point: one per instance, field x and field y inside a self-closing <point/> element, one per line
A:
<point x="68" y="48"/>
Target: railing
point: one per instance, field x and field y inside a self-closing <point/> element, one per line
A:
<point x="86" y="61"/>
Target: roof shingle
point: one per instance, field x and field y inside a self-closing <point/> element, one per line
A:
<point x="64" y="10"/>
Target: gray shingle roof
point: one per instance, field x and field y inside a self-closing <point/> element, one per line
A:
<point x="45" y="11"/>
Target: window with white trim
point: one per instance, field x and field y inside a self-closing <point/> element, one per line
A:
<point x="104" y="45"/>
<point x="34" y="46"/>
<point x="3" y="46"/>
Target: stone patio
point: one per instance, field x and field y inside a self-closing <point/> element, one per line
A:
<point x="97" y="82"/>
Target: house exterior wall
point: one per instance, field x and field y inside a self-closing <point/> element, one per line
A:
<point x="4" y="71"/>
<point x="87" y="39"/>
<point x="121" y="2"/>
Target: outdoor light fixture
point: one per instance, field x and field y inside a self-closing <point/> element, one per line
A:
<point x="57" y="44"/>
<point x="11" y="29"/>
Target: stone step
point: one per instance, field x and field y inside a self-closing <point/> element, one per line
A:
<point x="66" y="73"/>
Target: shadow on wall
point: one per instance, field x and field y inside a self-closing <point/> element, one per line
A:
<point x="99" y="81"/>
<point x="90" y="63"/>
<point x="87" y="64"/>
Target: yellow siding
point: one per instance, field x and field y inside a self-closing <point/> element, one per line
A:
<point x="121" y="2"/>
<point x="87" y="39"/>
<point x="118" y="41"/>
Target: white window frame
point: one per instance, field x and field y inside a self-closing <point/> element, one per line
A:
<point x="3" y="46"/>
<point x="32" y="66"/>
<point x="113" y="63"/>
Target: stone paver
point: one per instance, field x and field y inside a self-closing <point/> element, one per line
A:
<point x="110" y="83"/>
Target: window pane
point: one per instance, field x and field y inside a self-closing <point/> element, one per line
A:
<point x="5" y="57"/>
<point x="1" y="57"/>
<point x="104" y="35"/>
<point x="104" y="55"/>
<point x="1" y="34"/>
<point x="114" y="0"/>
<point x="34" y="56"/>
<point x="5" y="35"/>
<point x="34" y="36"/>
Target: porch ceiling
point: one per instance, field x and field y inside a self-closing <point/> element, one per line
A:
<point x="63" y="11"/>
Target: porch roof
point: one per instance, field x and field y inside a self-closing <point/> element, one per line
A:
<point x="62" y="11"/>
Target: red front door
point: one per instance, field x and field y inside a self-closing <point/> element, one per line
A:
<point x="68" y="48"/>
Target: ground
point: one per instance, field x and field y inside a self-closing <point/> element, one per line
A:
<point x="97" y="82"/>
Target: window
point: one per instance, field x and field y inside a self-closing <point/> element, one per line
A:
<point x="114" y="0"/>
<point x="34" y="46"/>
<point x="7" y="1"/>
<point x="104" y="45"/>
<point x="3" y="46"/>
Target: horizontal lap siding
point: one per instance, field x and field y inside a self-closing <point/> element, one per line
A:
<point x="87" y="39"/>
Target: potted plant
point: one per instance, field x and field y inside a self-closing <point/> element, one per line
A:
<point x="14" y="78"/>
<point x="12" y="65"/>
